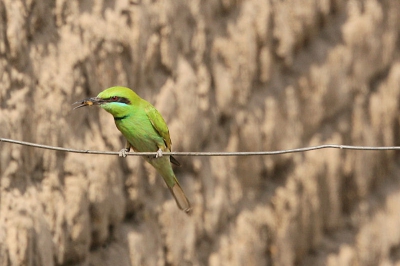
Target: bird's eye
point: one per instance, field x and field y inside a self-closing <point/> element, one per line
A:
<point x="114" y="98"/>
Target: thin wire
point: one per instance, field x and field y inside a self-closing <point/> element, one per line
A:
<point x="255" y="153"/>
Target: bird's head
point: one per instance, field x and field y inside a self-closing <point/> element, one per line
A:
<point x="115" y="100"/>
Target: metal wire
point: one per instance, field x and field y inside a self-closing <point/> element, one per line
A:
<point x="252" y="153"/>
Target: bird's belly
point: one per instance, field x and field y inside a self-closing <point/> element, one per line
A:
<point x="141" y="140"/>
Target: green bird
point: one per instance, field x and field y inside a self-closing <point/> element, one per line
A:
<point x="145" y="131"/>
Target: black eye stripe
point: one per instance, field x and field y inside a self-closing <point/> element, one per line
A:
<point x="118" y="99"/>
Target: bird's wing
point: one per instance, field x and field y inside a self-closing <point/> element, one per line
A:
<point x="161" y="127"/>
<point x="159" y="124"/>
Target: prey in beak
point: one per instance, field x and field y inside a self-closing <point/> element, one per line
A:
<point x="88" y="102"/>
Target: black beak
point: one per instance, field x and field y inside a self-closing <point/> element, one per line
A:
<point x="88" y="102"/>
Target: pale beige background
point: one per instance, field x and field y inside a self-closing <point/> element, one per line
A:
<point x="227" y="76"/>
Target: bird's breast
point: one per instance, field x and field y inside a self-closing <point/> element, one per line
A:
<point x="139" y="133"/>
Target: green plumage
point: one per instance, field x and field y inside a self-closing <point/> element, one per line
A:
<point x="145" y="131"/>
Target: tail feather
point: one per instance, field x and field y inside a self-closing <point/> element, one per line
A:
<point x="180" y="198"/>
<point x="163" y="166"/>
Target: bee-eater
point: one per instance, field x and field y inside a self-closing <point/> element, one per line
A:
<point x="145" y="131"/>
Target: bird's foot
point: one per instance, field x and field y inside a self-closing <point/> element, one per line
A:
<point x="122" y="153"/>
<point x="159" y="153"/>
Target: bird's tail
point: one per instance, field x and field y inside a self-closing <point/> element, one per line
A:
<point x="164" y="167"/>
<point x="180" y="197"/>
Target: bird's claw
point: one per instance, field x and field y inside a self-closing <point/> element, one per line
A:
<point x="159" y="153"/>
<point x="122" y="153"/>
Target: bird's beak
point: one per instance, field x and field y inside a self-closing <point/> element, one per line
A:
<point x="88" y="102"/>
